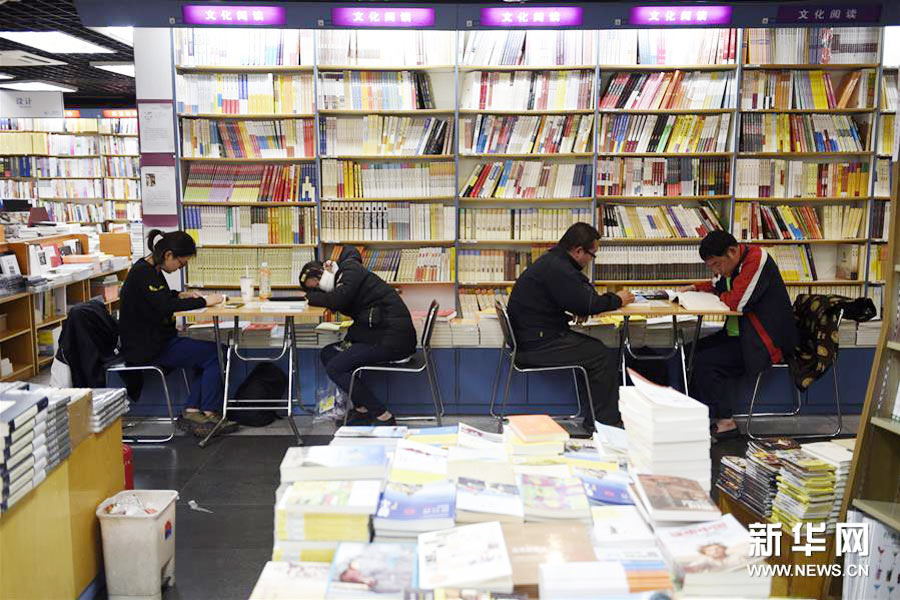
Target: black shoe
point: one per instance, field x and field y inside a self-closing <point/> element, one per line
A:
<point x="387" y="422"/>
<point x="357" y="418"/>
<point x="724" y="435"/>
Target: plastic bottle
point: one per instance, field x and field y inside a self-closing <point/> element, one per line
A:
<point x="265" y="284"/>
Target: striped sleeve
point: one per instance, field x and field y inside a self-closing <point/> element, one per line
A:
<point x="747" y="281"/>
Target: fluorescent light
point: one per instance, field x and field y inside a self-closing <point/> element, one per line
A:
<point x="122" y="68"/>
<point x="54" y="42"/>
<point x="7" y="76"/>
<point x="37" y="86"/>
<point x="124" y="35"/>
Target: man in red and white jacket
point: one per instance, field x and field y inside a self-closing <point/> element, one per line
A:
<point x="747" y="280"/>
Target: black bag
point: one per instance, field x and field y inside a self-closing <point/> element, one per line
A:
<point x="265" y="382"/>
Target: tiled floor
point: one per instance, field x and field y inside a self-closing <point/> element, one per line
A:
<point x="219" y="555"/>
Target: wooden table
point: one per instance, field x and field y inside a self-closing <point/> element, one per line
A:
<point x="663" y="308"/>
<point x="253" y="311"/>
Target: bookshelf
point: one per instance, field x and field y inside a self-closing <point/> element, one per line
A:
<point x="537" y="127"/>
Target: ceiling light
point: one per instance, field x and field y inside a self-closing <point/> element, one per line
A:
<point x="124" y="35"/>
<point x="6" y="76"/>
<point x="37" y="86"/>
<point x="54" y="42"/>
<point x="122" y="68"/>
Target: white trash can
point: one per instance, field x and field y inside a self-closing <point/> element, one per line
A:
<point x="139" y="548"/>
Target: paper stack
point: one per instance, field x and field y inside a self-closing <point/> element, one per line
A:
<point x="840" y="458"/>
<point x="760" y="476"/>
<point x="467" y="556"/>
<point x="58" y="442"/>
<point x="378" y="570"/>
<point x="805" y="489"/>
<point x="731" y="476"/>
<point x="281" y="580"/>
<point x="710" y="559"/>
<point x="23" y="449"/>
<point x="668" y="432"/>
<point x="108" y="404"/>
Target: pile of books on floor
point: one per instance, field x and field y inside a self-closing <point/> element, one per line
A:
<point x="805" y="489"/>
<point x="668" y="432"/>
<point x="108" y="404"/>
<point x="840" y="458"/>
<point x="732" y="470"/>
<point x="763" y="459"/>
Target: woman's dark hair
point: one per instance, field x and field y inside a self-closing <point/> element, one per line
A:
<point x="716" y="243"/>
<point x="178" y="242"/>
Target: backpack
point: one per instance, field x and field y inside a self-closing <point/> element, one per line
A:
<point x="265" y="382"/>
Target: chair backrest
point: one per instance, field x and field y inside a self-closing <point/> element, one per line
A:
<point x="509" y="338"/>
<point x="430" y="320"/>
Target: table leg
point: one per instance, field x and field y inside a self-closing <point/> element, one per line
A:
<point x="221" y="422"/>
<point x="290" y="334"/>
<point x="218" y="333"/>
<point x="623" y="336"/>
<point x="690" y="365"/>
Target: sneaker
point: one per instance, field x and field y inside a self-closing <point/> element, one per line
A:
<point x="357" y="418"/>
<point x="228" y="426"/>
<point x="187" y="421"/>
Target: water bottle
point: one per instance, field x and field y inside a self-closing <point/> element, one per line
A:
<point x="265" y="284"/>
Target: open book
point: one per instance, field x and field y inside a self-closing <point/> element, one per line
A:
<point x="701" y="301"/>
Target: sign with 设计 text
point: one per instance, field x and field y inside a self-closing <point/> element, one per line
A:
<point x="15" y="104"/>
<point x="224" y="15"/>
<point x="355" y="16"/>
<point x="680" y="16"/>
<point x="532" y="16"/>
<point x="847" y="13"/>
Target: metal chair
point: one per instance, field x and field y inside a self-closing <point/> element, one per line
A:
<point x="421" y="361"/>
<point x="509" y="349"/>
<point x="122" y="368"/>
<point x="799" y="401"/>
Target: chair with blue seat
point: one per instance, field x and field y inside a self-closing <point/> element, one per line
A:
<point x="422" y="361"/>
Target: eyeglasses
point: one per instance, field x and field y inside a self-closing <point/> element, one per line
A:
<point x="593" y="254"/>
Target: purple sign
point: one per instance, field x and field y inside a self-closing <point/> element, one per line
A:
<point x="531" y="16"/>
<point x="356" y="16"/>
<point x="675" y="16"/>
<point x="857" y="13"/>
<point x="227" y="15"/>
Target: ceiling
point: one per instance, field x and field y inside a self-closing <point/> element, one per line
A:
<point x="96" y="88"/>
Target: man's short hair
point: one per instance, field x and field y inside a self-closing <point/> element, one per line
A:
<point x="716" y="243"/>
<point x="579" y="235"/>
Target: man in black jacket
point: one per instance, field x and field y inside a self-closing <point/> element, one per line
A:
<point x="382" y="329"/>
<point x="540" y="306"/>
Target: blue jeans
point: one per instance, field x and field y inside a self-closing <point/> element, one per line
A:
<point x="202" y="359"/>
<point x="340" y="364"/>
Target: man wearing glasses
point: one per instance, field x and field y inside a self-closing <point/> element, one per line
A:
<point x="542" y="300"/>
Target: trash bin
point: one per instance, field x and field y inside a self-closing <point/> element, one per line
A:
<point x="138" y="543"/>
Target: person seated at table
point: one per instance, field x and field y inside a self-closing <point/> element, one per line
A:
<point x="539" y="308"/>
<point x="382" y="329"/>
<point x="147" y="327"/>
<point x="746" y="279"/>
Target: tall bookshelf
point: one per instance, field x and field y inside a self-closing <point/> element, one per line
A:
<point x="618" y="166"/>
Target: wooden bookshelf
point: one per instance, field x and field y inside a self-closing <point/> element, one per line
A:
<point x="248" y="117"/>
<point x="239" y="69"/>
<point x="651" y="68"/>
<point x="526" y="112"/>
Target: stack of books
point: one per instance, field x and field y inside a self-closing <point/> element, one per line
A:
<point x="407" y="509"/>
<point x="59" y="444"/>
<point x="372" y="570"/>
<point x="553" y="499"/>
<point x="668" y="432"/>
<point x="622" y="574"/>
<point x="760" y="480"/>
<point x="466" y="556"/>
<point x="805" y="489"/>
<point x="620" y="527"/>
<point x="664" y="500"/>
<point x="531" y="545"/>
<point x="281" y="580"/>
<point x="364" y="435"/>
<point x="464" y="332"/>
<point x="534" y="435"/>
<point x="108" y="405"/>
<point x="731" y="476"/>
<point x="23" y="447"/>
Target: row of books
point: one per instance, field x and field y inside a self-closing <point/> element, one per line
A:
<point x="251" y="224"/>
<point x="756" y="221"/>
<point x="886" y="135"/>
<point x="547" y="134"/>
<point x="882" y="541"/>
<point x="375" y="90"/>
<point x="51" y="166"/>
<point x="120" y="125"/>
<point x="663" y="176"/>
<point x="812" y="45"/>
<point x="533" y="47"/>
<point x="627" y="262"/>
<point x="16" y="166"/>
<point x="387" y="221"/>
<point x="214" y="267"/>
<point x="285" y="138"/>
<point x="70" y="188"/>
<point x="884" y="177"/>
<point x="130" y="211"/>
<point x="70" y="212"/>
<point x="801" y="133"/>
<point x="526" y="90"/>
<point x="119" y="166"/>
<point x="474" y="300"/>
<point x="245" y="94"/>
<point x="251" y="183"/>
<point x="73" y="145"/>
<point x="122" y="189"/>
<point x="23" y="143"/>
<point x="379" y="135"/>
<point x="409" y="265"/>
<point x="397" y="47"/>
<point x="670" y="89"/>
<point x="668" y="46"/>
<point x="881" y="219"/>
<point x="243" y="47"/>
<point x="778" y="178"/>
<point x="668" y="221"/>
<point x="807" y="262"/>
<point x="807" y="90"/>
<point x="18" y="189"/>
<point x="496" y="265"/>
<point x="538" y="224"/>
<point x="661" y="133"/>
<point x="57" y="125"/>
<point x="528" y="179"/>
<point x="352" y="179"/>
<point x="119" y="145"/>
<point x="888" y="91"/>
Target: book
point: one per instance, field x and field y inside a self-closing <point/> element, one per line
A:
<point x="701" y="301"/>
<point x="407" y="508"/>
<point x="367" y="431"/>
<point x="330" y="497"/>
<point x="666" y="221"/>
<point x="375" y="570"/>
<point x="537" y="428"/>
<point x="472" y="437"/>
<point x="480" y="500"/>
<point x="418" y="463"/>
<point x="465" y="556"/>
<point x="668" y="498"/>
<point x="605" y="487"/>
<point x="619" y="527"/>
<point x="282" y="580"/>
<point x="518" y="447"/>
<point x="553" y="498"/>
<point x="531" y="545"/>
<point x="321" y="463"/>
